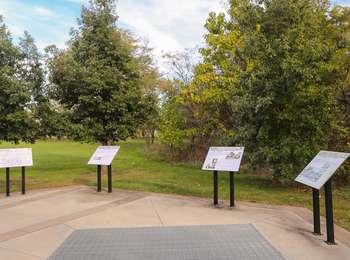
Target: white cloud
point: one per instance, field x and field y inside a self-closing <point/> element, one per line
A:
<point x="16" y="30"/>
<point x="43" y="12"/>
<point x="169" y="25"/>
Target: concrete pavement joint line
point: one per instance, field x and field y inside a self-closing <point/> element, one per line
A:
<point x="155" y="210"/>
<point x="20" y="252"/>
<point x="60" y="220"/>
<point x="69" y="226"/>
<point x="36" y="198"/>
<point x="263" y="220"/>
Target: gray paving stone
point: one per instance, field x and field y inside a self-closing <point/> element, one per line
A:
<point x="168" y="243"/>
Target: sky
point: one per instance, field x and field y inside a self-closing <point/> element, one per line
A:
<point x="168" y="25"/>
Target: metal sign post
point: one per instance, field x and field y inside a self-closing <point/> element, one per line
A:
<point x="316" y="211"/>
<point x="232" y="189"/>
<point x="110" y="178"/>
<point x="23" y="181"/>
<point x="7" y="182"/>
<point x="329" y="212"/>
<point x="99" y="178"/>
<point x="99" y="184"/>
<point x="23" y="173"/>
<point x="216" y="188"/>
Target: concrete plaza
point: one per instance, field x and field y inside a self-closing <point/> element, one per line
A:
<point x="35" y="225"/>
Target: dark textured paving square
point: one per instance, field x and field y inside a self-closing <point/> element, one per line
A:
<point x="168" y="243"/>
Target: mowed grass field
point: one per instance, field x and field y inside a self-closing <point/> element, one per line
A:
<point x="63" y="163"/>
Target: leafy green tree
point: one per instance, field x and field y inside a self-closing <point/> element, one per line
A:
<point x="340" y="34"/>
<point x="31" y="69"/>
<point x="272" y="59"/>
<point x="33" y="77"/>
<point x="16" y="121"/>
<point x="183" y="127"/>
<point x="97" y="80"/>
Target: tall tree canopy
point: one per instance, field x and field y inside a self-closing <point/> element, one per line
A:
<point x="284" y="85"/>
<point x="16" y="120"/>
<point x="96" y="78"/>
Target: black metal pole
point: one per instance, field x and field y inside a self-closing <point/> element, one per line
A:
<point x="7" y="182"/>
<point x="216" y="190"/>
<point x="109" y="178"/>
<point x="99" y="185"/>
<point x="232" y="189"/>
<point x="23" y="180"/>
<point x="329" y="212"/>
<point x="316" y="210"/>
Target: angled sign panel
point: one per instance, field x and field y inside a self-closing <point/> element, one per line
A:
<point x="223" y="159"/>
<point x="104" y="155"/>
<point x="321" y="168"/>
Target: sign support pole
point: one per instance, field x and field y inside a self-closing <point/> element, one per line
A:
<point x="99" y="185"/>
<point x="23" y="180"/>
<point x="316" y="210"/>
<point x="110" y="178"/>
<point x="329" y="212"/>
<point x="232" y="189"/>
<point x="7" y="182"/>
<point x="216" y="190"/>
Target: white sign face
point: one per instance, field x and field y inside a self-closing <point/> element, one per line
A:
<point x="321" y="168"/>
<point x="223" y="159"/>
<point x="19" y="157"/>
<point x="104" y="155"/>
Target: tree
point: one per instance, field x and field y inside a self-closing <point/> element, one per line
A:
<point x="266" y="81"/>
<point x="273" y="59"/>
<point x="340" y="34"/>
<point x="202" y="101"/>
<point x="97" y="80"/>
<point x="16" y="121"/>
<point x="181" y="66"/>
<point x="151" y="81"/>
<point x="30" y="67"/>
<point x="33" y="77"/>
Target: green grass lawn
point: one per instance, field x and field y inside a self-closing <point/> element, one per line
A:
<point x="62" y="163"/>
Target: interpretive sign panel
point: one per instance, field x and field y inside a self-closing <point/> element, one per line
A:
<point x="223" y="159"/>
<point x="19" y="157"/>
<point x="321" y="168"/>
<point x="104" y="155"/>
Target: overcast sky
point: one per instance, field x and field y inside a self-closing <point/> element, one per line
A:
<point x="169" y="25"/>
